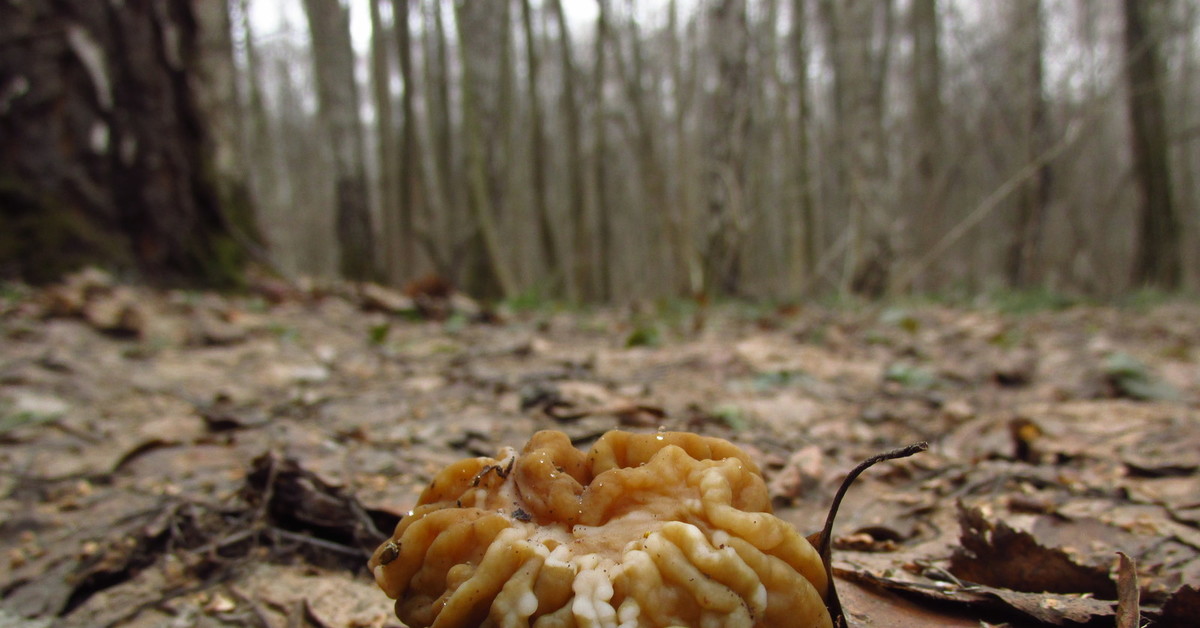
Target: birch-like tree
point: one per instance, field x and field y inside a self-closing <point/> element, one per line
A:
<point x="337" y="94"/>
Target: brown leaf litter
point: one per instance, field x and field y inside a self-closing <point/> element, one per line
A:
<point x="191" y="458"/>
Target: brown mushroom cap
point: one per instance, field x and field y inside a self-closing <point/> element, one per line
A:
<point x="667" y="529"/>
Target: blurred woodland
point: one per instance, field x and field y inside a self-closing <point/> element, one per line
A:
<point x="608" y="151"/>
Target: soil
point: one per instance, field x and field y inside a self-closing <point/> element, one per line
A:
<point x="191" y="459"/>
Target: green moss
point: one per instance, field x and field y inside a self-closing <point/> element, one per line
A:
<point x="42" y="238"/>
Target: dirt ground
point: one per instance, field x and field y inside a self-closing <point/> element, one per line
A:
<point x="190" y="459"/>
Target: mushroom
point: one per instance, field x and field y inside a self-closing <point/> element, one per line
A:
<point x="666" y="529"/>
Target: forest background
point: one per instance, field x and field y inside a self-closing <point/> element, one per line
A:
<point x="611" y="151"/>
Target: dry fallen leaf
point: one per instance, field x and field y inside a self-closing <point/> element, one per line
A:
<point x="1128" y="610"/>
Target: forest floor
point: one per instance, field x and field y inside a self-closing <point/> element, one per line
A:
<point x="192" y="459"/>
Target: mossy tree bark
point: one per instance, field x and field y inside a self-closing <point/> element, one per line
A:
<point x="115" y="147"/>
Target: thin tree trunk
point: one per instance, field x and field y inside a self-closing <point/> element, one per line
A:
<point x="262" y="154"/>
<point x="337" y="94"/>
<point x="409" y="174"/>
<point x="601" y="157"/>
<point x="1157" y="261"/>
<point x="688" y="259"/>
<point x="928" y="112"/>
<point x="860" y="69"/>
<point x="386" y="147"/>
<point x="545" y="226"/>
<point x="479" y="38"/>
<point x="446" y="225"/>
<point x="1033" y="137"/>
<point x="580" y="276"/>
<point x="726" y="139"/>
<point x="217" y="97"/>
<point x="803" y="241"/>
<point x="652" y="176"/>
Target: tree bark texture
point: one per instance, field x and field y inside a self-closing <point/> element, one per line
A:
<point x="109" y="153"/>
<point x="859" y="52"/>
<point x="580" y="273"/>
<point x="337" y="94"/>
<point x="1157" y="261"/>
<point x="389" y="196"/>
<point x="683" y="191"/>
<point x="482" y="35"/>
<point x="448" y="218"/>
<point x="604" y="209"/>
<point x="537" y="140"/>
<point x="409" y="174"/>
<point x="726" y="139"/>
<point x="803" y="241"/>
<point x="928" y="164"/>
<point x="648" y="155"/>
<point x="1032" y="139"/>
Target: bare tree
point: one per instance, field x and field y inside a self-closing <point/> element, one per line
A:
<point x="333" y="55"/>
<point x="537" y="139"/>
<point x="600" y="159"/>
<point x="647" y="151"/>
<point x="481" y="34"/>
<point x="1157" y="260"/>
<point x="381" y="78"/>
<point x="803" y="240"/>
<point x="859" y="41"/>
<point x="409" y="175"/>
<point x="1032" y="139"/>
<point x="726" y="139"/>
<point x="687" y="193"/>
<point x="260" y="152"/>
<point x="448" y="229"/>
<point x="928" y="163"/>
<point x="217" y="97"/>
<point x="579" y="277"/>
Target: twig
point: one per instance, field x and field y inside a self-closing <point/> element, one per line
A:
<point x="826" y="545"/>
<point x="259" y="613"/>
<point x="321" y="543"/>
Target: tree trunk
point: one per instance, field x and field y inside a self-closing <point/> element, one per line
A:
<point x="448" y="221"/>
<point x="537" y="139"/>
<point x="1032" y="138"/>
<point x="115" y="149"/>
<point x="803" y="240"/>
<point x="580" y="274"/>
<point x="928" y="111"/>
<point x="600" y="158"/>
<point x="683" y="85"/>
<point x="652" y="175"/>
<point x="337" y="95"/>
<point x="860" y="57"/>
<point x="481" y="36"/>
<point x="1157" y="262"/>
<point x="389" y="201"/>
<point x="726" y="140"/>
<point x="262" y="156"/>
<point x="408" y="175"/>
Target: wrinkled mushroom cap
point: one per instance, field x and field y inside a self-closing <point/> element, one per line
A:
<point x="667" y="529"/>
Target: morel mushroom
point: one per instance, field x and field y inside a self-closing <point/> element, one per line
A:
<point x="667" y="529"/>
